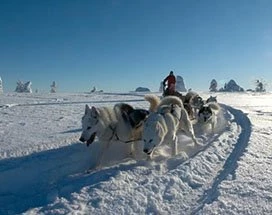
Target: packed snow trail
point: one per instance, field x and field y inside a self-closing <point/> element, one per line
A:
<point x="231" y="163"/>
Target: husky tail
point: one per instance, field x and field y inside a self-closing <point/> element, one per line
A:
<point x="153" y="101"/>
<point x="171" y="100"/>
<point x="213" y="105"/>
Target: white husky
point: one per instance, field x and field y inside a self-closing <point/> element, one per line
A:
<point x="162" y="125"/>
<point x="119" y="123"/>
<point x="207" y="114"/>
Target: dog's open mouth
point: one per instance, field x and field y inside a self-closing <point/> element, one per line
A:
<point x="148" y="152"/>
<point x="91" y="139"/>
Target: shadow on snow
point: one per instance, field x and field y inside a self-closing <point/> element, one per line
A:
<point x="40" y="178"/>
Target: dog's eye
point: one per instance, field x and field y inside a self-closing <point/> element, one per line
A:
<point x="89" y="128"/>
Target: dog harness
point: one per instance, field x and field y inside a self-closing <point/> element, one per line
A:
<point x="114" y="134"/>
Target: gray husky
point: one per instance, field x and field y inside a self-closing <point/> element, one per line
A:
<point x="207" y="114"/>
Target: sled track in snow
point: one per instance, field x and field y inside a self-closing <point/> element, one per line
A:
<point x="231" y="163"/>
<point x="63" y="101"/>
<point x="69" y="103"/>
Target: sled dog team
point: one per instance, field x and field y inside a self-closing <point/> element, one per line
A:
<point x="158" y="125"/>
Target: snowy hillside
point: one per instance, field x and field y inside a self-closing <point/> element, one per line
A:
<point x="43" y="164"/>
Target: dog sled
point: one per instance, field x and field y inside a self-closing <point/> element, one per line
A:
<point x="191" y="101"/>
<point x="167" y="92"/>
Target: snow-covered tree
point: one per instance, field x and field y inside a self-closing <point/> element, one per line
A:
<point x="23" y="88"/>
<point x="93" y="90"/>
<point x="53" y="87"/>
<point x="213" y="86"/>
<point x="259" y="86"/>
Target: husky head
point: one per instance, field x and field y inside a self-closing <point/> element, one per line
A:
<point x="90" y="122"/>
<point x="205" y="113"/>
<point x="211" y="99"/>
<point x="197" y="101"/>
<point x="153" y="132"/>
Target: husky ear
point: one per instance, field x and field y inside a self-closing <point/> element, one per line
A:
<point x="94" y="111"/>
<point x="87" y="109"/>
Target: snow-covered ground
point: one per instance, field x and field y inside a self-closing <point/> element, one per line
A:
<point x="43" y="165"/>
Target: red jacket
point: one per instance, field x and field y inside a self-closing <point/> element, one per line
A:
<point x="170" y="79"/>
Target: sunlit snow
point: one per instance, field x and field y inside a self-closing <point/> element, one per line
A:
<point x="43" y="165"/>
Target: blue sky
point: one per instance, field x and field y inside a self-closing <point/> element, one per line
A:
<point x="118" y="45"/>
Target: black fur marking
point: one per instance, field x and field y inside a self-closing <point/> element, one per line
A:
<point x="126" y="108"/>
<point x="204" y="109"/>
<point x="133" y="116"/>
<point x="137" y="116"/>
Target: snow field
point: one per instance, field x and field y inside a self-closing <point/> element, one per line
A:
<point x="42" y="166"/>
